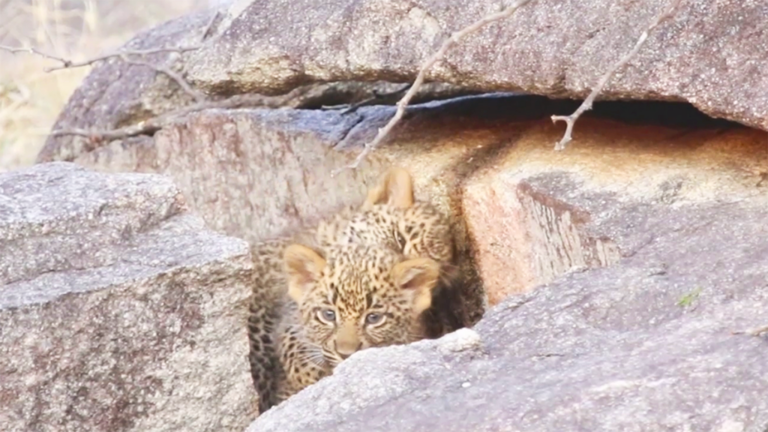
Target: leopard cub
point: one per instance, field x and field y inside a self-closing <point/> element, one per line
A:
<point x="350" y="298"/>
<point x="370" y="278"/>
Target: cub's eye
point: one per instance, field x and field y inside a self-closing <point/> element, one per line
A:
<point x="328" y="315"/>
<point x="374" y="318"/>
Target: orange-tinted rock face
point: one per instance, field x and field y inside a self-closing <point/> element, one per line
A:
<point x="488" y="162"/>
<point x="526" y="230"/>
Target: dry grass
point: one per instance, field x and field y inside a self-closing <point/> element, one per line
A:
<point x="30" y="98"/>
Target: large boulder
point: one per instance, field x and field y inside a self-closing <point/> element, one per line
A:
<point x="119" y="309"/>
<point x="705" y="54"/>
<point x="133" y="94"/>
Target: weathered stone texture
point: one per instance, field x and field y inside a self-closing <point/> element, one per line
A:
<point x="644" y="240"/>
<point x="119" y="310"/>
<point x="118" y="94"/>
<point x="708" y="54"/>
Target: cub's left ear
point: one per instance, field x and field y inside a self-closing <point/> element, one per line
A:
<point x="303" y="266"/>
<point x="395" y="188"/>
<point x="419" y="275"/>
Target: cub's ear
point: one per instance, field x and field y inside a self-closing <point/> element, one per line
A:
<point x="420" y="276"/>
<point x="303" y="266"/>
<point x="395" y="188"/>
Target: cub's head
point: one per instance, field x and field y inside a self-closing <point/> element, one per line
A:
<point x="359" y="296"/>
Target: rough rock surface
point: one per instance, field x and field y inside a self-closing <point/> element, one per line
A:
<point x="259" y="173"/>
<point x="119" y="94"/>
<point x="557" y="49"/>
<point x="548" y="48"/>
<point x="643" y="345"/>
<point x="119" y="309"/>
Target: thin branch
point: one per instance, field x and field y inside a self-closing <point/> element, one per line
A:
<point x="15" y="50"/>
<point x="154" y="124"/>
<point x="125" y="57"/>
<point x="150" y="125"/>
<point x="197" y="96"/>
<point x="434" y="58"/>
<point x="69" y="64"/>
<point x="210" y="25"/>
<point x="587" y="104"/>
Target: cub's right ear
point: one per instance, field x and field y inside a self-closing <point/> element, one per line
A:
<point x="395" y="188"/>
<point x="418" y="276"/>
<point x="303" y="266"/>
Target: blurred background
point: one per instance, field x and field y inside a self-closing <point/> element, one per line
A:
<point x="30" y="98"/>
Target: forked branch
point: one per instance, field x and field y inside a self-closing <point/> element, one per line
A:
<point x="587" y="104"/>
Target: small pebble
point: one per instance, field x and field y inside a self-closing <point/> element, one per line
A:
<point x="461" y="340"/>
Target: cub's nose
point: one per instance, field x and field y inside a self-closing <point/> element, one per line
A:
<point x="346" y="350"/>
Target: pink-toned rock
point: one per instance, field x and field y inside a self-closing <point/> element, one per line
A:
<point x="708" y="54"/>
<point x="119" y="309"/>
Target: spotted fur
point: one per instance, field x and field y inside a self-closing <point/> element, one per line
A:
<point x="359" y="248"/>
<point x="391" y="218"/>
<point x="358" y="296"/>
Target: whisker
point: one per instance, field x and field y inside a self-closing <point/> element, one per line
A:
<point x="316" y="359"/>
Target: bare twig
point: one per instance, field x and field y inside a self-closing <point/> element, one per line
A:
<point x="434" y="58"/>
<point x="125" y="56"/>
<point x="154" y="124"/>
<point x="587" y="104"/>
<point x="14" y="50"/>
<point x="210" y="25"/>
<point x="69" y="64"/>
<point x="138" y="57"/>
<point x="197" y="96"/>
